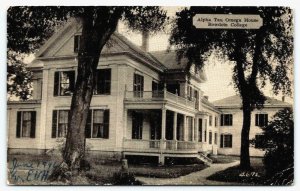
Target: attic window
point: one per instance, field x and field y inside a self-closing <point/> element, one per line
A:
<point x="76" y="42"/>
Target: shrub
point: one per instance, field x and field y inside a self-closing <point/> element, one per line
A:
<point x="278" y="142"/>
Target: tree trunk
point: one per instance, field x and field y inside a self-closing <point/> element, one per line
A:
<point x="95" y="34"/>
<point x="244" y="155"/>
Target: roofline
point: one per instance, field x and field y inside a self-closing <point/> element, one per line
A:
<point x="104" y="55"/>
<point x="265" y="106"/>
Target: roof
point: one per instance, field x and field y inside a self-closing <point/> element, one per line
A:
<point x="118" y="44"/>
<point x="169" y="59"/>
<point x="210" y="105"/>
<point x="235" y="101"/>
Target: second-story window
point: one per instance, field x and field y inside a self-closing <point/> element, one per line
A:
<point x="103" y="82"/>
<point x="226" y="120"/>
<point x="138" y="85"/>
<point x="261" y="120"/>
<point x="64" y="83"/>
<point x="157" y="89"/>
<point x="210" y="120"/>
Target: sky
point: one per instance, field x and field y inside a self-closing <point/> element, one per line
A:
<point x="219" y="73"/>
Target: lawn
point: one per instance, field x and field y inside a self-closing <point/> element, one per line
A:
<point x="165" y="171"/>
<point x="224" y="159"/>
<point x="254" y="177"/>
<point x="34" y="170"/>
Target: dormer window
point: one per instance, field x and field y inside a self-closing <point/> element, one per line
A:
<point x="77" y="42"/>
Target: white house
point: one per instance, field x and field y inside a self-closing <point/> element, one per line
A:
<point x="232" y="121"/>
<point x="143" y="104"/>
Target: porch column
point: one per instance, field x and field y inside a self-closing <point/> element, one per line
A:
<point x="125" y="124"/>
<point x="175" y="131"/>
<point x="175" y="126"/>
<point x="184" y="128"/>
<point x="193" y="129"/>
<point x="197" y="129"/>
<point x="163" y="128"/>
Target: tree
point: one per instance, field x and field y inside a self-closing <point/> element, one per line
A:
<point x="98" y="24"/>
<point x="278" y="142"/>
<point x="257" y="55"/>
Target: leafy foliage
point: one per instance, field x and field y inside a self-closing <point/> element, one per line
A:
<point x="278" y="142"/>
<point x="264" y="53"/>
<point x="18" y="78"/>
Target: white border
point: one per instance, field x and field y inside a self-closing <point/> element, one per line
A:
<point x="4" y="4"/>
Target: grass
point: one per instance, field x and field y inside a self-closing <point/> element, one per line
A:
<point x="102" y="172"/>
<point x="256" y="176"/>
<point x="165" y="171"/>
<point x="224" y="159"/>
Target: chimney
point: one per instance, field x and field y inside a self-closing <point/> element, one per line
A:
<point x="145" y="41"/>
<point x="206" y="97"/>
<point x="283" y="98"/>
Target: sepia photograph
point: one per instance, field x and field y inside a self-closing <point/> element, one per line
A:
<point x="150" y="95"/>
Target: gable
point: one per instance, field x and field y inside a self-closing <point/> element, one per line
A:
<point x="61" y="44"/>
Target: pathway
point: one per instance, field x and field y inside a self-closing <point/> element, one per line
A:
<point x="195" y="178"/>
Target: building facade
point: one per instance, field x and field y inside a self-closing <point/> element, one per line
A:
<point x="143" y="104"/>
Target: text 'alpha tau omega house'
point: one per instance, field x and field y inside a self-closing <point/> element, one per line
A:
<point x="143" y="104"/>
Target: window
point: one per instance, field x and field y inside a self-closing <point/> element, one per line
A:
<point x="226" y="141"/>
<point x="258" y="141"/>
<point x="103" y="81"/>
<point x="196" y="96"/>
<point x="26" y="124"/>
<point x="97" y="125"/>
<point x="210" y="138"/>
<point x="200" y="131"/>
<point x="77" y="43"/>
<point x="138" y="85"/>
<point x="190" y="93"/>
<point x="157" y="89"/>
<point x="64" y="83"/>
<point x="261" y="120"/>
<point x="226" y="120"/>
<point x="59" y="123"/>
<point x="210" y="120"/>
<point x="216" y="138"/>
<point x="137" y="125"/>
<point x="216" y="121"/>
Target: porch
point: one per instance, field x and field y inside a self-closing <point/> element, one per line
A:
<point x="161" y="132"/>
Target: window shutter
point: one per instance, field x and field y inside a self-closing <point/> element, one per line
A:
<point x="18" y="131"/>
<point x="106" y="123"/>
<point x="108" y="81"/>
<point x="33" y="124"/>
<point x="88" y="125"/>
<point x="54" y="123"/>
<point x="56" y="83"/>
<point x="221" y="120"/>
<point x="221" y="141"/>
<point x="72" y="81"/>
<point x="230" y="141"/>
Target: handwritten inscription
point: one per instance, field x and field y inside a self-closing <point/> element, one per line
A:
<point x="31" y="171"/>
<point x="227" y="21"/>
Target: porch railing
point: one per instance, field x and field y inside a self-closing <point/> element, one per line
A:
<point x="170" y="145"/>
<point x="158" y="95"/>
